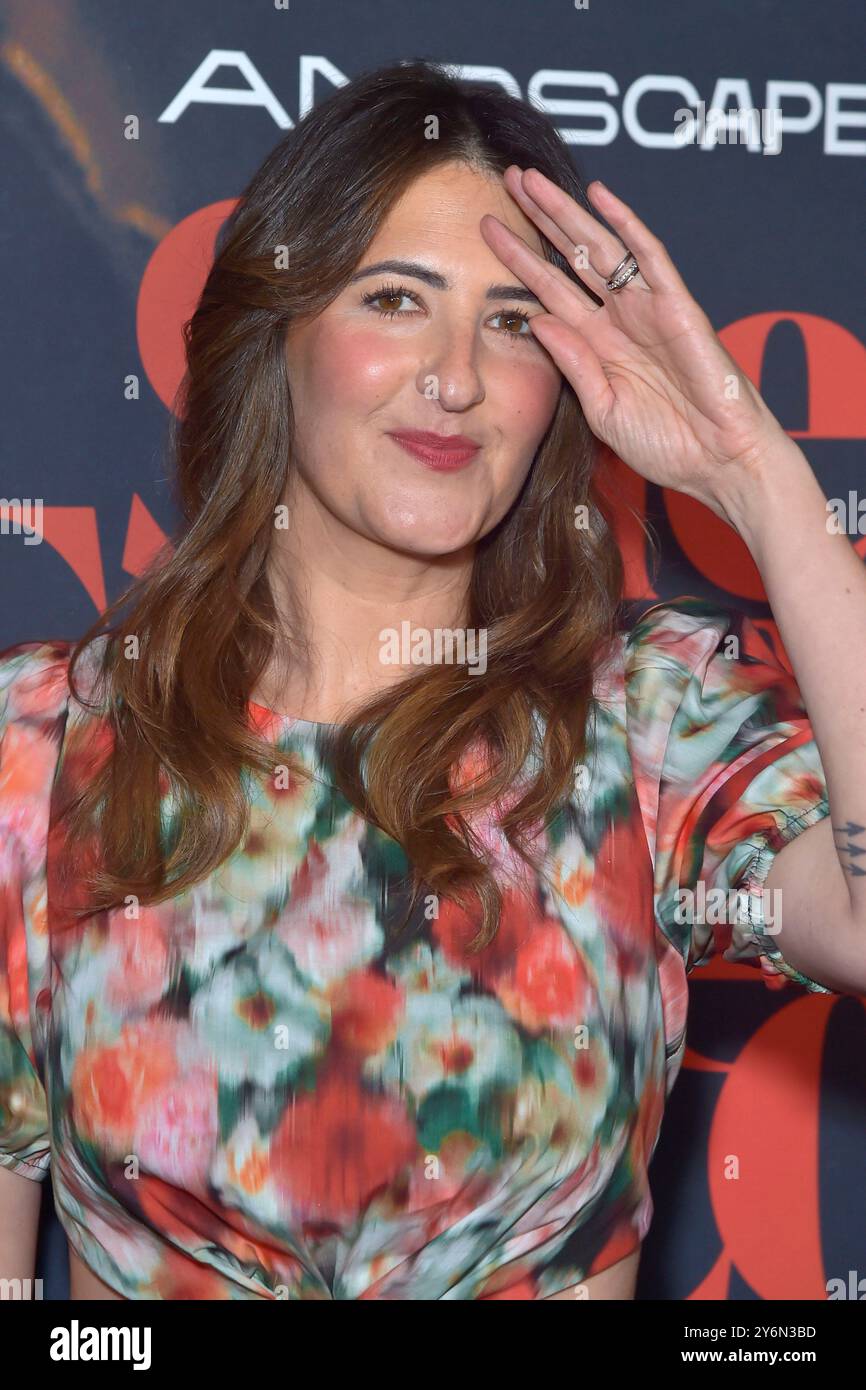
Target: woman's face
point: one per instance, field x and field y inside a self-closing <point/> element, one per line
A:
<point x="437" y="357"/>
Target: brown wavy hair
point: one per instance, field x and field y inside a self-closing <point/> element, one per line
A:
<point x="204" y="615"/>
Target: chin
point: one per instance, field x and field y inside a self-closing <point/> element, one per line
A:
<point x="426" y="534"/>
<point x="425" y="545"/>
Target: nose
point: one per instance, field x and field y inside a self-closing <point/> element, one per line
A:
<point x="448" y="371"/>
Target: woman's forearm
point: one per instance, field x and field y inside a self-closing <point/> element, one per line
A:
<point x="816" y="587"/>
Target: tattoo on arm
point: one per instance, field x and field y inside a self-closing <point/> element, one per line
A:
<point x="854" y="845"/>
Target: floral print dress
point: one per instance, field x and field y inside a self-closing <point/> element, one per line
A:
<point x="259" y="1089"/>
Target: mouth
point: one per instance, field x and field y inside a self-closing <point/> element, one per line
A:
<point x="441" y="452"/>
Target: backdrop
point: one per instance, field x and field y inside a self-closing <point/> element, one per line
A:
<point x="128" y="131"/>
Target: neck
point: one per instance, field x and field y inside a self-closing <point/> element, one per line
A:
<point x="339" y="591"/>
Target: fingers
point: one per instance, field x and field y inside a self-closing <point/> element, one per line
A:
<point x="555" y="211"/>
<point x="579" y="363"/>
<point x="569" y="226"/>
<point x="546" y="225"/>
<point x="556" y="291"/>
<point x="656" y="265"/>
<point x="773" y="978"/>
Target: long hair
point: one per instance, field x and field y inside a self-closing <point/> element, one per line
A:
<point x="202" y="623"/>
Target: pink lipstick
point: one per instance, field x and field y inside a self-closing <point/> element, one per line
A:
<point x="444" y="452"/>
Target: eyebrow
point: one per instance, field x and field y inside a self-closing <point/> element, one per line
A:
<point x="438" y="282"/>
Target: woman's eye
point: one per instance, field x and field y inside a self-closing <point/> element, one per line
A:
<point x="394" y="294"/>
<point x="517" y="316"/>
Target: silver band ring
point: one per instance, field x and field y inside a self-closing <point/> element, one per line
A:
<point x="627" y="269"/>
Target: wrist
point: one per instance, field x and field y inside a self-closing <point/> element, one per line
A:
<point x="756" y="496"/>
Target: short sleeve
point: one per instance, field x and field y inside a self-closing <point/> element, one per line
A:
<point x="32" y="681"/>
<point x="728" y="772"/>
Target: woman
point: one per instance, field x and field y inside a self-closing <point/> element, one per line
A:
<point x="342" y="963"/>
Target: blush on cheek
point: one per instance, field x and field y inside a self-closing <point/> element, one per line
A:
<point x="356" y="368"/>
<point x="533" y="397"/>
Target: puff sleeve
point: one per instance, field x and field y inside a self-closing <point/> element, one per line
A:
<point x="31" y="683"/>
<point x="728" y="773"/>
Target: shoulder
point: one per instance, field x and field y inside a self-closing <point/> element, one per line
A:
<point x="658" y="652"/>
<point x="33" y="681"/>
<point x="35" y="699"/>
<point x="676" y="634"/>
<point x="670" y="676"/>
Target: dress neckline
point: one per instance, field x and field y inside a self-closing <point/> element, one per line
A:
<point x="263" y="713"/>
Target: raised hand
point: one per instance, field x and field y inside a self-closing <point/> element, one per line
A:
<point x="652" y="377"/>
